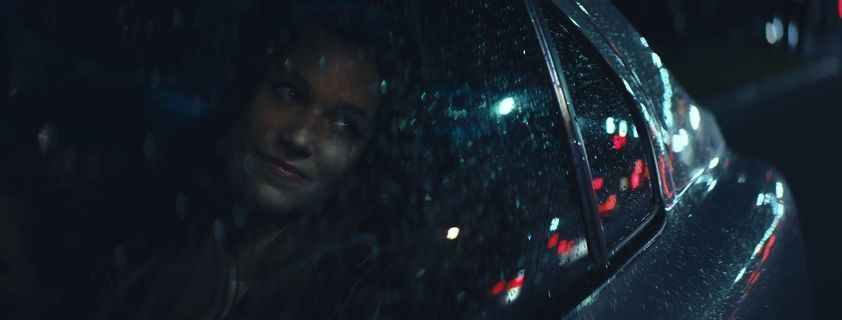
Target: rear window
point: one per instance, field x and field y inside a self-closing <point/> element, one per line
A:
<point x="293" y="160"/>
<point x="618" y="158"/>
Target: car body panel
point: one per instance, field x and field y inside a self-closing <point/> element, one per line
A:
<point x="728" y="249"/>
<point x="730" y="246"/>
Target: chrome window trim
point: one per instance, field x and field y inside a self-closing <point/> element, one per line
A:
<point x="636" y="101"/>
<point x="592" y="220"/>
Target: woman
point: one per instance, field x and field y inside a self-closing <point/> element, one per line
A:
<point x="267" y="222"/>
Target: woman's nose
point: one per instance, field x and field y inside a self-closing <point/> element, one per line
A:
<point x="299" y="141"/>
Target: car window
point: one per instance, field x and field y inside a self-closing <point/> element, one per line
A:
<point x="284" y="159"/>
<point x="616" y="153"/>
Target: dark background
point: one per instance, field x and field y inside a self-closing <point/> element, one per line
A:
<point x="775" y="95"/>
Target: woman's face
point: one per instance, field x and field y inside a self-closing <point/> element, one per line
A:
<point x="307" y="124"/>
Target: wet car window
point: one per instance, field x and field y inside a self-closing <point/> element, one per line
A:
<point x="292" y="160"/>
<point x="618" y="159"/>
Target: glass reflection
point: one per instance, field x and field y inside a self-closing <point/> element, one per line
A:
<point x="505" y="106"/>
<point x="695" y="117"/>
<point x="452" y="233"/>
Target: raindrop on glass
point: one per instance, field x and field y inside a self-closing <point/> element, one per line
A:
<point x="460" y="296"/>
<point x="383" y="87"/>
<point x="47" y="138"/>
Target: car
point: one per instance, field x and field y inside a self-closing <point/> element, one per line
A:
<point x="532" y="160"/>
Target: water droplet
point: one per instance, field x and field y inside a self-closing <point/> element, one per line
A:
<point x="47" y="138"/>
<point x="460" y="296"/>
<point x="383" y="87"/>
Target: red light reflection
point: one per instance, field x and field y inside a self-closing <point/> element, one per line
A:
<point x="498" y="287"/>
<point x="608" y="205"/>
<point x="619" y="141"/>
<point x="754" y="276"/>
<point x="636" y="173"/>
<point x="553" y="241"/>
<point x="768" y="248"/>
<point x="597" y="183"/>
<point x="517" y="282"/>
<point x="565" y="246"/>
<point x="663" y="166"/>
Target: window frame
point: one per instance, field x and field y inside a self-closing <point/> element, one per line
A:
<point x="608" y="260"/>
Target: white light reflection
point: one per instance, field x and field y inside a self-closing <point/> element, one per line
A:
<point x="712" y="184"/>
<point x="583" y="8"/>
<point x="506" y="106"/>
<point x="512" y="294"/>
<point x="771" y="37"/>
<point x="779" y="190"/>
<point x="774" y="31"/>
<point x="579" y="251"/>
<point x="778" y="26"/>
<point x="740" y="275"/>
<point x="713" y="163"/>
<point x="452" y="233"/>
<point x="634" y="131"/>
<point x="628" y="86"/>
<point x="554" y="224"/>
<point x="657" y="60"/>
<point x="680" y="141"/>
<point x="610" y="127"/>
<point x="695" y="118"/>
<point x="644" y="42"/>
<point x="792" y="34"/>
<point x="624" y="128"/>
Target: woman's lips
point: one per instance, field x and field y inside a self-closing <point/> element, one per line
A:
<point x="284" y="170"/>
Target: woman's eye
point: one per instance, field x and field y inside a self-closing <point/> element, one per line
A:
<point x="287" y="93"/>
<point x="347" y="127"/>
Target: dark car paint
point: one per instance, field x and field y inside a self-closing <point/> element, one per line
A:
<point x="730" y="245"/>
<point x="715" y="257"/>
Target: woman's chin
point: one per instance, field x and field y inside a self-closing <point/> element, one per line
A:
<point x="271" y="200"/>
